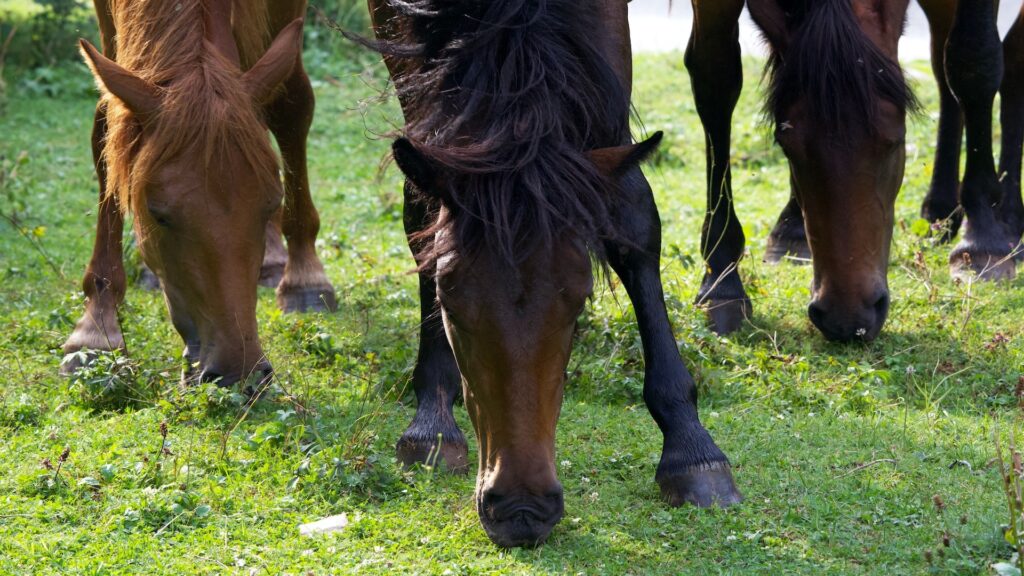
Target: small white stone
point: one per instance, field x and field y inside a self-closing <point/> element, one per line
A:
<point x="329" y="524"/>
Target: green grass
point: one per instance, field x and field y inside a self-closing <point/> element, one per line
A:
<point x="839" y="450"/>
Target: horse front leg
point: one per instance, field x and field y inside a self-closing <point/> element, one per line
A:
<point x="432" y="437"/>
<point x="974" y="70"/>
<point x="304" y="285"/>
<point x="104" y="281"/>
<point x="942" y="203"/>
<point x="692" y="469"/>
<point x="1011" y="209"/>
<point x="716" y="73"/>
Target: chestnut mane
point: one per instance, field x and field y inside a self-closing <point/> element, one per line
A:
<point x="204" y="104"/>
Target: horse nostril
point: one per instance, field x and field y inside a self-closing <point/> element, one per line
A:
<point x="881" y="306"/>
<point x="817" y="314"/>
<point x="208" y="376"/>
<point x="490" y="503"/>
<point x="263" y="372"/>
<point x="492" y="498"/>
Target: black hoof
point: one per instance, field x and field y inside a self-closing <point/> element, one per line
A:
<point x="982" y="265"/>
<point x="452" y="455"/>
<point x="792" y="249"/>
<point x="147" y="280"/>
<point x="317" y="299"/>
<point x="270" y="276"/>
<point x="702" y="486"/>
<point x="727" y="316"/>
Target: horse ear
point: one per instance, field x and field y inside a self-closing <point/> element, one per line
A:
<point x="771" y="19"/>
<point x="418" y="168"/>
<point x="614" y="162"/>
<point x="276" y="65"/>
<point x="141" y="97"/>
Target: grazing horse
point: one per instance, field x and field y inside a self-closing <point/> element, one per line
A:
<point x="519" y="174"/>
<point x="970" y="66"/>
<point x="838" y="100"/>
<point x="189" y="89"/>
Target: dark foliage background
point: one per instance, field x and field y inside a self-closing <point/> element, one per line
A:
<point x="39" y="42"/>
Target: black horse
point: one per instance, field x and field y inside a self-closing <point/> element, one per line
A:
<point x="521" y="174"/>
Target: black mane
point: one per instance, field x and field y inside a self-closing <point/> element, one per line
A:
<point x="838" y="71"/>
<point x="510" y="96"/>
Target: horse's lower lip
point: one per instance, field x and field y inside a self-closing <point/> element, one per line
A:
<point x="524" y="526"/>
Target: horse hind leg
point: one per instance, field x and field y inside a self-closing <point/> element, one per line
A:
<point x="304" y="284"/>
<point x="275" y="255"/>
<point x="104" y="282"/>
<point x="974" y="69"/>
<point x="432" y="437"/>
<point x="942" y="203"/>
<point x="788" y="239"/>
<point x="1011" y="209"/>
<point x="716" y="73"/>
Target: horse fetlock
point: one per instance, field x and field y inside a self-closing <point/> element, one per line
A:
<point x="702" y="485"/>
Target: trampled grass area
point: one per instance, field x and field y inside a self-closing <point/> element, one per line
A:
<point x="839" y="450"/>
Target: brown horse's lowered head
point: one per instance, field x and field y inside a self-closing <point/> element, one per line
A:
<point x="839" y="102"/>
<point x="188" y="154"/>
<point x="510" y="323"/>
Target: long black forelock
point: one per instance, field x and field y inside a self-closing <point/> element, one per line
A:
<point x="509" y="98"/>
<point x="837" y="71"/>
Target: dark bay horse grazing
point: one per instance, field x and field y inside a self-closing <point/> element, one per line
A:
<point x="838" y="99"/>
<point x="971" y="65"/>
<point x="519" y="173"/>
<point x="180" y="140"/>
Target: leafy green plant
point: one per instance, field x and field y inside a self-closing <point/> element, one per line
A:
<point x="106" y="380"/>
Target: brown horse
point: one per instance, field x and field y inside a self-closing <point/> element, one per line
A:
<point x="519" y="173"/>
<point x="180" y="141"/>
<point x="839" y="101"/>
<point x="969" y="68"/>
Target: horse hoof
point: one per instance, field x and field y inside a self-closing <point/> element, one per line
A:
<point x="270" y="276"/>
<point x="148" y="280"/>
<point x="452" y="456"/>
<point x="794" y="250"/>
<point x="965" y="263"/>
<point x="727" y="316"/>
<point x="315" y="299"/>
<point x="75" y="361"/>
<point x="702" y="486"/>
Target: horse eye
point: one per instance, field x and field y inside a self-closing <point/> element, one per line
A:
<point x="161" y="218"/>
